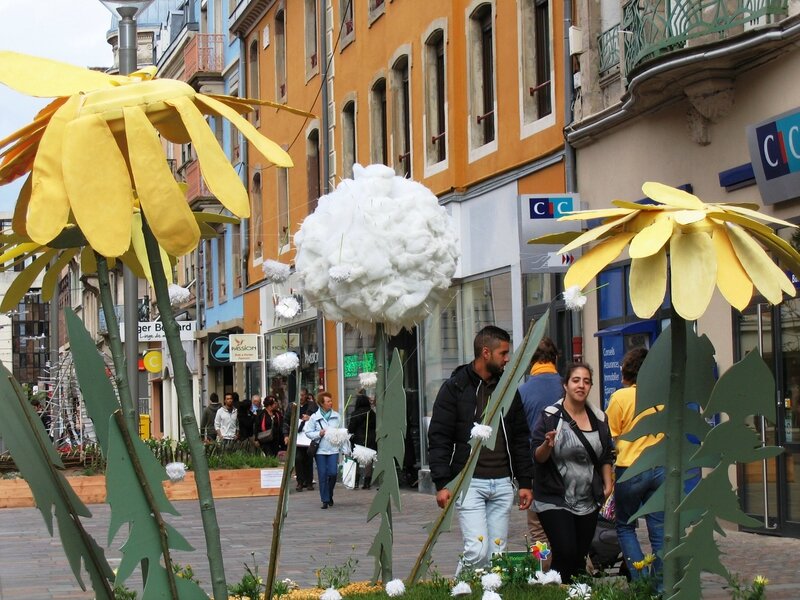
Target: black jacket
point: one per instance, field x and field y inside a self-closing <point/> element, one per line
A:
<point x="452" y="421"/>
<point x="548" y="485"/>
<point x="362" y="426"/>
<point x="207" y="421"/>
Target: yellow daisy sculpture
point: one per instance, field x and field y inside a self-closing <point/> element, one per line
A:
<point x="94" y="156"/>
<point x="710" y="245"/>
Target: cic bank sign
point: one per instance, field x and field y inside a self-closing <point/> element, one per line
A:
<point x="774" y="147"/>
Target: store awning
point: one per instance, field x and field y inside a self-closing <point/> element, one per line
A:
<point x="649" y="326"/>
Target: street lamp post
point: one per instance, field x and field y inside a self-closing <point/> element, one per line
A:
<point x="127" y="11"/>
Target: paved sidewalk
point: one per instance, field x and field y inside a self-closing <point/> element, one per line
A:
<point x="33" y="566"/>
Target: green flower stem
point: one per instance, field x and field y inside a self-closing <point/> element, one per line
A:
<point x="674" y="468"/>
<point x="117" y="353"/>
<point x="381" y="364"/>
<point x="183" y="389"/>
<point x="283" y="497"/>
<point x="151" y="502"/>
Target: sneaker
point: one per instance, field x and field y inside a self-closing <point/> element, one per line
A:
<point x="324" y="506"/>
<point x="330" y="502"/>
<point x="299" y="488"/>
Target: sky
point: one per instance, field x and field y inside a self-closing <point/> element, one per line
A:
<point x="72" y="31"/>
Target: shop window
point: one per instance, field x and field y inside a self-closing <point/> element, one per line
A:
<point x="311" y="46"/>
<point x="348" y="139"/>
<point x="480" y="75"/>
<point x="284" y="233"/>
<point x="280" y="56"/>
<point x="401" y="127"/>
<point x="378" y="128"/>
<point x="313" y="172"/>
<point x="611" y="299"/>
<point x="257" y="215"/>
<point x="536" y="52"/>
<point x="435" y="98"/>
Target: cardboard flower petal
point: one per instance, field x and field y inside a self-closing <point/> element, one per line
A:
<point x="378" y="249"/>
<point x="710" y="245"/>
<point x="95" y="153"/>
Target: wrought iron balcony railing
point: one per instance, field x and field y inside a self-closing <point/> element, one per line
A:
<point x="608" y="48"/>
<point x="203" y="54"/>
<point x="653" y="27"/>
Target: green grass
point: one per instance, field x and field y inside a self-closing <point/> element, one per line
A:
<point x="426" y="591"/>
<point x="241" y="460"/>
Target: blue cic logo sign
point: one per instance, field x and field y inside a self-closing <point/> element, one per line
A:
<point x="551" y="207"/>
<point x="774" y="147"/>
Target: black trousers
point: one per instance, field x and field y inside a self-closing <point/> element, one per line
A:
<point x="303" y="467"/>
<point x="570" y="538"/>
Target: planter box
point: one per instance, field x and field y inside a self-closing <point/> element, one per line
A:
<point x="238" y="483"/>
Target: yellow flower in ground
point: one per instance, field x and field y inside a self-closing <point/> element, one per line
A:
<point x="639" y="565"/>
<point x="94" y="154"/>
<point x="649" y="559"/>
<point x="709" y="245"/>
<point x="760" y="580"/>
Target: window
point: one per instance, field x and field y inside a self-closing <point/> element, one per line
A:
<point x="236" y="258"/>
<point x="283" y="209"/>
<point x="348" y="138"/>
<point x="222" y="272"/>
<point x="252" y="75"/>
<point x="401" y="134"/>
<point x="378" y="129"/>
<point x="348" y="25"/>
<point x="312" y="56"/>
<point x="435" y="87"/>
<point x="313" y="170"/>
<point x="536" y="76"/>
<point x="257" y="215"/>
<point x="209" y="273"/>
<point x="280" y="55"/>
<point x="236" y="144"/>
<point x="480" y="71"/>
<point x="376" y="9"/>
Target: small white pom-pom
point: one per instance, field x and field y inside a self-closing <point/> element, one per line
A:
<point x="178" y="295"/>
<point x="490" y="595"/>
<point x="482" y="432"/>
<point x="543" y="578"/>
<point x="285" y="363"/>
<point x="340" y="273"/>
<point x="368" y="379"/>
<point x="337" y="435"/>
<point x="287" y="307"/>
<point x="364" y="455"/>
<point x="176" y="471"/>
<point x="579" y="591"/>
<point x="461" y="589"/>
<point x="574" y="299"/>
<point x="331" y="594"/>
<point x="491" y="582"/>
<point x="276" y="272"/>
<point x="395" y="587"/>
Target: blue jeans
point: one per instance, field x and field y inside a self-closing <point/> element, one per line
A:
<point x="483" y="516"/>
<point x="630" y="496"/>
<point x="326" y="473"/>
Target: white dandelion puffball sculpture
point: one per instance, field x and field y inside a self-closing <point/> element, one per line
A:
<point x="378" y="249"/>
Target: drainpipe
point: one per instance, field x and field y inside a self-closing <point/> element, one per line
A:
<point x="326" y="170"/>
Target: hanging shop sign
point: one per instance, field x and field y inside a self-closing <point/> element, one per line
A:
<point x="219" y="349"/>
<point x="538" y="216"/>
<point x="153" y="331"/>
<point x="774" y="147"/>
<point x="244" y="347"/>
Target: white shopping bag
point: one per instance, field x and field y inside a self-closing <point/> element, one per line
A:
<point x="349" y="467"/>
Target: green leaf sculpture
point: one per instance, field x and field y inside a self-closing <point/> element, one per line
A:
<point x="498" y="405"/>
<point x="37" y="460"/>
<point x="133" y="480"/>
<point x="390" y="434"/>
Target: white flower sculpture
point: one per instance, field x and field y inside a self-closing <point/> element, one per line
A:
<point x="545" y="577"/>
<point x="368" y="379"/>
<point x="285" y="363"/>
<point x="363" y="455"/>
<point x="276" y="272"/>
<point x="331" y="594"/>
<point x="176" y="471"/>
<point x="579" y="591"/>
<point x="337" y="435"/>
<point x="378" y="249"/>
<point x="461" y="589"/>
<point x="491" y="582"/>
<point x="178" y="295"/>
<point x="287" y="307"/>
<point x="482" y="432"/>
<point x="395" y="588"/>
<point x="490" y="595"/>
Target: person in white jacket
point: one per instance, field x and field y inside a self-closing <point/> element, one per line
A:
<point x="226" y="422"/>
<point x="327" y="456"/>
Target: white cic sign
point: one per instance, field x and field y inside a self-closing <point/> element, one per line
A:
<point x="153" y="331"/>
<point x="538" y="216"/>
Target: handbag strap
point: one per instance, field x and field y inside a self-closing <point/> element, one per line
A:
<point x="574" y="426"/>
<point x="366" y="429"/>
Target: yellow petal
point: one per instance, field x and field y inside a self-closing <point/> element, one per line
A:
<point x="207" y="217"/>
<point x="687" y="217"/>
<point x="754" y="214"/>
<point x="140" y="252"/>
<point x="171" y="127"/>
<point x="21" y="208"/>
<point x="601" y="213"/>
<point x="164" y="206"/>
<point x="49" y="205"/>
<point x="593" y="234"/>
<point x="220" y="176"/>
<point x="732" y="279"/>
<point x="23" y="282"/>
<point x="732" y="217"/>
<point x="595" y="260"/>
<point x="16" y="164"/>
<point x="565" y="237"/>
<point x="652" y="238"/>
<point x="253" y="101"/>
<point x="758" y="265"/>
<point x="88" y="260"/>
<point x="694" y="273"/>
<point x="18" y="250"/>
<point x="648" y="283"/>
<point x="636" y="205"/>
<point x="269" y="149"/>
<point x="129" y="259"/>
<point x="45" y="78"/>
<point x="54" y="273"/>
<point x="787" y="255"/>
<point x="672" y="196"/>
<point x="99" y="185"/>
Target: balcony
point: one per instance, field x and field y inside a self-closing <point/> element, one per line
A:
<point x="197" y="194"/>
<point x="608" y="48"/>
<point x="203" y="59"/>
<point x="655" y="27"/>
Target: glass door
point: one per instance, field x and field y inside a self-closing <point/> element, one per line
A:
<point x="789" y="415"/>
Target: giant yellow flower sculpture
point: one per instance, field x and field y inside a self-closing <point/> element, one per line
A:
<point x="709" y="245"/>
<point x="94" y="155"/>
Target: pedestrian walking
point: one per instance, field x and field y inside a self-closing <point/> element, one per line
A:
<point x="327" y="454"/>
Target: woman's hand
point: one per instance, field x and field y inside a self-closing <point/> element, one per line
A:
<point x="550" y="439"/>
<point x="608" y="489"/>
<point x="321" y="433"/>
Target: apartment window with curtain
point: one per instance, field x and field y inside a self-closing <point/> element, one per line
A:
<point x="280" y="55"/>
<point x="376" y="9"/>
<point x="236" y="259"/>
<point x="236" y="144"/>
<point x="435" y="98"/>
<point x="256" y="215"/>
<point x="480" y="73"/>
<point x="314" y="173"/>
<point x="379" y="152"/>
<point x="312" y="55"/>
<point x="348" y="25"/>
<point x="401" y="135"/>
<point x="222" y="272"/>
<point x="252" y="75"/>
<point x="284" y="233"/>
<point x="348" y="138"/>
<point x="536" y="48"/>
<point x="208" y="272"/>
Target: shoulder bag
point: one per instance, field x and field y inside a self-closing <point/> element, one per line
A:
<point x="314" y="446"/>
<point x="266" y="435"/>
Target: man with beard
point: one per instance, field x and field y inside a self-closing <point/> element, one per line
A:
<point x="484" y="511"/>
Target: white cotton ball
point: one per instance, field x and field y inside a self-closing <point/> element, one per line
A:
<point x="395" y="588"/>
<point x="378" y="249"/>
<point x="331" y="594"/>
<point x="287" y="307"/>
<point x="176" y="471"/>
<point x="276" y="272"/>
<point x="178" y="295"/>
<point x="285" y="363"/>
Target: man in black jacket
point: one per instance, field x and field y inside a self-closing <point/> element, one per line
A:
<point x="484" y="511"/>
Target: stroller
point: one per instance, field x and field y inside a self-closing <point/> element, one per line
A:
<point x="605" y="552"/>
